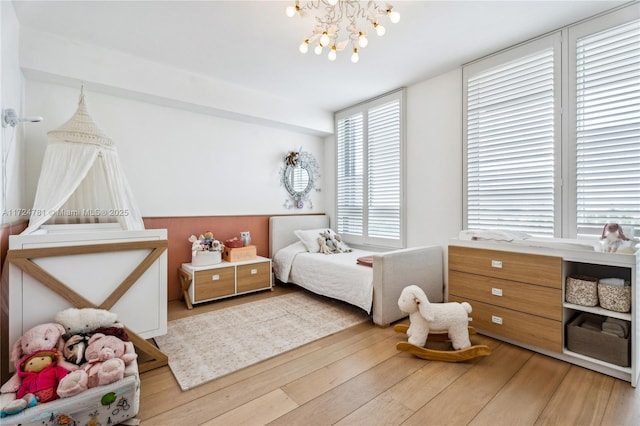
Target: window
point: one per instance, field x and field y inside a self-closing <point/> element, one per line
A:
<point x="369" y="145"/>
<point x="607" y="125"/>
<point x="510" y="142"/>
<point x="531" y="168"/>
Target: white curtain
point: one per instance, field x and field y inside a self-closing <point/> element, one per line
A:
<point x="82" y="180"/>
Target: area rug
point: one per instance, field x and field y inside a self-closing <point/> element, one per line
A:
<point x="213" y="344"/>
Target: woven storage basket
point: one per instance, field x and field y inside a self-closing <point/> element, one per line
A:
<point x="582" y="290"/>
<point x="615" y="298"/>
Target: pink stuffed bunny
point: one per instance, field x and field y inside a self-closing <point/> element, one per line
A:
<point x="43" y="337"/>
<point x="106" y="357"/>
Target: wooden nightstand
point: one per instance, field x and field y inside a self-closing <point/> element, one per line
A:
<point x="225" y="279"/>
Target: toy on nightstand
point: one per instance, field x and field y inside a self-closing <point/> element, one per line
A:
<point x="437" y="321"/>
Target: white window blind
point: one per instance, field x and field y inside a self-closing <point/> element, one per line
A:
<point x="510" y="146"/>
<point x="350" y="175"/>
<point x="384" y="171"/>
<point x="608" y="128"/>
<point x="369" y="172"/>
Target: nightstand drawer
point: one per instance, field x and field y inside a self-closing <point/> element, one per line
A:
<point x="529" y="268"/>
<point x="254" y="276"/>
<point x="525" y="328"/>
<point x="213" y="283"/>
<point x="528" y="298"/>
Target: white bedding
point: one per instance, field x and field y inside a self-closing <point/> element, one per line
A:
<point x="333" y="275"/>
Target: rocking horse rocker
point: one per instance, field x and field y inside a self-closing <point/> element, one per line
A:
<point x="437" y="322"/>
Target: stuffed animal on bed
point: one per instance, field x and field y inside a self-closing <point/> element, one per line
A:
<point x="330" y="242"/>
<point x="107" y="357"/>
<point x="425" y="316"/>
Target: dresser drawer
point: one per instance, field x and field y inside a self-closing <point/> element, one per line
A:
<point x="254" y="276"/>
<point x="528" y="298"/>
<point x="213" y="283"/>
<point x="525" y="328"/>
<point x="529" y="268"/>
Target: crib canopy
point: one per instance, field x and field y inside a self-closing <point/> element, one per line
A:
<point x="82" y="180"/>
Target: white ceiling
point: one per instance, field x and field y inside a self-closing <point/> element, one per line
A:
<point x="254" y="44"/>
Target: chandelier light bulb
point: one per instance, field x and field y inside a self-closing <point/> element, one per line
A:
<point x="332" y="54"/>
<point x="290" y="11"/>
<point x="324" y="39"/>
<point x="304" y="46"/>
<point x="363" y="41"/>
<point x="355" y="57"/>
<point x="337" y="23"/>
<point x="394" y="16"/>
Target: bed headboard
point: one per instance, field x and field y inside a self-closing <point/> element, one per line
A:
<point x="281" y="229"/>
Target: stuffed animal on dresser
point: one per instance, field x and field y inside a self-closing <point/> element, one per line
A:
<point x="613" y="236"/>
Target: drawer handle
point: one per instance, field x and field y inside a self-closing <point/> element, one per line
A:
<point x="496" y="264"/>
<point x="254" y="271"/>
<point x="215" y="277"/>
<point x="496" y="320"/>
<point x="496" y="291"/>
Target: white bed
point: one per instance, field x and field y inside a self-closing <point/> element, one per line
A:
<point x="374" y="289"/>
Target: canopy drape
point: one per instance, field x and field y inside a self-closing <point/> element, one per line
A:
<point x="82" y="179"/>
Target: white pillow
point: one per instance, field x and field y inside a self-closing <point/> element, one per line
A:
<point x="309" y="238"/>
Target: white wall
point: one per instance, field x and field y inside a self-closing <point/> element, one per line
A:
<point x="178" y="162"/>
<point x="11" y="90"/>
<point x="434" y="160"/>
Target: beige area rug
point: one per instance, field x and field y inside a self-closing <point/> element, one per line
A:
<point x="210" y="345"/>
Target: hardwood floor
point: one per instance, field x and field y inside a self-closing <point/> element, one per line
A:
<point x="357" y="377"/>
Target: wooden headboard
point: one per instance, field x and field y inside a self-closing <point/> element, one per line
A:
<point x="281" y="229"/>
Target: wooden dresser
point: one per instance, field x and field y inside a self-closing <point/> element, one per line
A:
<point x="514" y="295"/>
<point x="517" y="293"/>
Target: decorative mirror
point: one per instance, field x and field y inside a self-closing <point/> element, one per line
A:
<point x="299" y="174"/>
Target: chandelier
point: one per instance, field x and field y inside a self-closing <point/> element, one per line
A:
<point x="340" y="22"/>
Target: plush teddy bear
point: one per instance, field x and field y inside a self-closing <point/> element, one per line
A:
<point x="107" y="357"/>
<point x="425" y="316"/>
<point x="46" y="336"/>
<point x="330" y="242"/>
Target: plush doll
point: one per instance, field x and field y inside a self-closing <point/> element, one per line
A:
<point x="612" y="233"/>
<point x="46" y="336"/>
<point x="107" y="357"/>
<point x="425" y="316"/>
<point x="84" y="320"/>
<point x="40" y="374"/>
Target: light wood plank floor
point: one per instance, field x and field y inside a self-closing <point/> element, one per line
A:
<point x="357" y="377"/>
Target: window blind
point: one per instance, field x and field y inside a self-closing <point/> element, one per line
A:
<point x="510" y="146"/>
<point x="384" y="171"/>
<point x="369" y="172"/>
<point x="608" y="128"/>
<point x="350" y="175"/>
